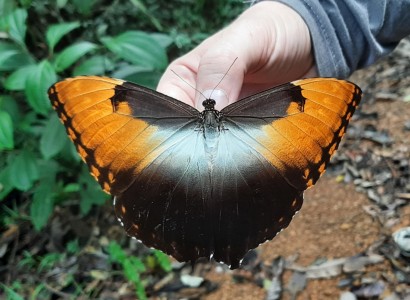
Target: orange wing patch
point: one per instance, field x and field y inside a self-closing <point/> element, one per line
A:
<point x="109" y="142"/>
<point x="304" y="141"/>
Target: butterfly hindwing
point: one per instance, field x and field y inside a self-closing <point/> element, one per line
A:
<point x="191" y="205"/>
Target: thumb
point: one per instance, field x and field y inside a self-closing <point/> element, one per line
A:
<point x="219" y="77"/>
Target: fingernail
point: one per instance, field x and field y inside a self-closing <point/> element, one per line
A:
<point x="219" y="96"/>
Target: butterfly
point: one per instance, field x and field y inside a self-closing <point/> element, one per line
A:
<point x="209" y="183"/>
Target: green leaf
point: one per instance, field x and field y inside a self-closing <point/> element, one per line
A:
<point x="40" y="292"/>
<point x="127" y="70"/>
<point x="26" y="3"/>
<point x="70" y="153"/>
<point x="138" y="48"/>
<point x="49" y="260"/>
<point x="84" y="7"/>
<point x="15" y="25"/>
<point x="163" y="260"/>
<point x="163" y="39"/>
<point x="73" y="247"/>
<point x="56" y="32"/>
<point x="61" y="3"/>
<point x="11" y="294"/>
<point x="5" y="185"/>
<point x="16" y="81"/>
<point x="116" y="253"/>
<point x="132" y="267"/>
<point x="53" y="138"/>
<point x="96" y="65"/>
<point x="6" y="7"/>
<point x="71" y="54"/>
<point x="37" y="84"/>
<point x="6" y="131"/>
<point x="23" y="171"/>
<point x="147" y="78"/>
<point x="48" y="170"/>
<point x="91" y="192"/>
<point x="140" y="5"/>
<point x="13" y="57"/>
<point x="9" y="104"/>
<point x="42" y="204"/>
<point x="72" y="188"/>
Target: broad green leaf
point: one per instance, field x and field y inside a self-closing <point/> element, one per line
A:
<point x="96" y="65"/>
<point x="53" y="138"/>
<point x="43" y="197"/>
<point x="71" y="54"/>
<point x="6" y="7"/>
<point x="6" y="131"/>
<point x="42" y="204"/>
<point x="5" y="185"/>
<point x="138" y="48"/>
<point x="163" y="39"/>
<point x="126" y="70"/>
<point x="70" y="153"/>
<point x="48" y="170"/>
<point x="61" y="3"/>
<point x="15" y="25"/>
<point x="139" y="75"/>
<point x="9" y="105"/>
<point x="56" y="32"/>
<point x="13" y="57"/>
<point x="23" y="171"/>
<point x="84" y="7"/>
<point x="91" y="192"/>
<point x="141" y="6"/>
<point x="26" y="123"/>
<point x="37" y="84"/>
<point x="16" y="81"/>
<point x="145" y="78"/>
<point x="26" y="3"/>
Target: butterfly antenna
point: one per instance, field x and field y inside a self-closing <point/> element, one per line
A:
<point x="226" y="73"/>
<point x="188" y="84"/>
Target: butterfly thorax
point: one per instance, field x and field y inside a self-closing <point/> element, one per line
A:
<point x="210" y="119"/>
<point x="210" y="125"/>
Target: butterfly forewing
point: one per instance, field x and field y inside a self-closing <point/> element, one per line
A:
<point x="190" y="197"/>
<point x="299" y="135"/>
<point x="101" y="117"/>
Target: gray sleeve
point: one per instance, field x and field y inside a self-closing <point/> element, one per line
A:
<point x="351" y="34"/>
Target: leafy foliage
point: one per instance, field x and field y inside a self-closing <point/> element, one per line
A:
<point x="131" y="265"/>
<point x="44" y="41"/>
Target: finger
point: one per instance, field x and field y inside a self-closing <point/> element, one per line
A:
<point x="220" y="76"/>
<point x="177" y="80"/>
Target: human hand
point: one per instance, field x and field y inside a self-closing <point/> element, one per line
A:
<point x="272" y="44"/>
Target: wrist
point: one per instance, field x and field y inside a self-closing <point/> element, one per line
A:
<point x="285" y="38"/>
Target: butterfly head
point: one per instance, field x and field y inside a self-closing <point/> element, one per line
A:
<point x="209" y="104"/>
